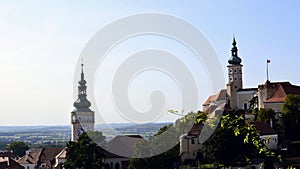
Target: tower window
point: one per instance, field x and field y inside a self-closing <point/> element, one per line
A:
<point x="235" y="87"/>
<point x="234" y="70"/>
<point x="245" y="106"/>
<point x="235" y="78"/>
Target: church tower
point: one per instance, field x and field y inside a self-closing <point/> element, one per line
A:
<point x="82" y="117"/>
<point x="235" y="76"/>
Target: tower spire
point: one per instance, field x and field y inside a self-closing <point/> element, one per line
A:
<point x="82" y="104"/>
<point x="234" y="59"/>
<point x="82" y="74"/>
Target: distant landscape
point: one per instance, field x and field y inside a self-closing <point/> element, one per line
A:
<point x="41" y="136"/>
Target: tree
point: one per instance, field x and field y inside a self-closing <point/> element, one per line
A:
<point x="234" y="143"/>
<point x="266" y="115"/>
<point x="84" y="154"/>
<point x="18" y="147"/>
<point x="291" y="114"/>
<point x="253" y="107"/>
<point x="171" y="134"/>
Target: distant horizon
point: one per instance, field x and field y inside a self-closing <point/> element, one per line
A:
<point x="58" y="125"/>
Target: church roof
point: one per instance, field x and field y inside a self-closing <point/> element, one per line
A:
<point x="124" y="145"/>
<point x="282" y="89"/>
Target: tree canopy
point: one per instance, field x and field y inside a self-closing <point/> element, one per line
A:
<point x="18" y="147"/>
<point x="85" y="153"/>
<point x="170" y="134"/>
<point x="234" y="143"/>
<point x="291" y="113"/>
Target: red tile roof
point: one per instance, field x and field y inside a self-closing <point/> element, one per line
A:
<point x="281" y="91"/>
<point x="221" y="95"/>
<point x="124" y="145"/>
<point x="48" y="155"/>
<point x="31" y="157"/>
<point x="39" y="156"/>
<point x="8" y="163"/>
<point x="264" y="128"/>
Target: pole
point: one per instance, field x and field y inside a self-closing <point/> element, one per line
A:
<point x="268" y="61"/>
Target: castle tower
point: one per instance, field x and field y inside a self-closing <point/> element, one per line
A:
<point x="82" y="118"/>
<point x="235" y="76"/>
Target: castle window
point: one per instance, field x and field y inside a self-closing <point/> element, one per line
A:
<point x="117" y="166"/>
<point x="235" y="78"/>
<point x="245" y="106"/>
<point x="235" y="87"/>
<point x="234" y="70"/>
<point x="193" y="141"/>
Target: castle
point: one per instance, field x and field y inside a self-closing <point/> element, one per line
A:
<point x="268" y="95"/>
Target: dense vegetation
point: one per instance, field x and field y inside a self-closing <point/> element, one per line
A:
<point x="85" y="153"/>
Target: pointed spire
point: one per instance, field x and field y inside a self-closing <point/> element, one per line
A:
<point x="82" y="104"/>
<point x="82" y="74"/>
<point x="234" y="42"/>
<point x="234" y="59"/>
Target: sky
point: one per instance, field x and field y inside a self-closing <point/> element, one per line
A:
<point x="41" y="43"/>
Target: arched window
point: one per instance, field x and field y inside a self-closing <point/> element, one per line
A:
<point x="117" y="166"/>
<point x="106" y="166"/>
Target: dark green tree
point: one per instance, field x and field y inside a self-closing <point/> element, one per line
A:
<point x="291" y="114"/>
<point x="85" y="153"/>
<point x="266" y="115"/>
<point x="253" y="105"/>
<point x="18" y="147"/>
<point x="234" y="143"/>
<point x="171" y="133"/>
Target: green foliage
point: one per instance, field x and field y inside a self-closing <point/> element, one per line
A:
<point x="97" y="137"/>
<point x="291" y="113"/>
<point x="266" y="115"/>
<point x="18" y="147"/>
<point x="253" y="105"/>
<point x="234" y="141"/>
<point x="166" y="136"/>
<point x="84" y="154"/>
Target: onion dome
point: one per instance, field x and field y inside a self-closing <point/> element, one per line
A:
<point x="82" y="104"/>
<point x="234" y="59"/>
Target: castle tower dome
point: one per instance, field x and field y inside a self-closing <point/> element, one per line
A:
<point x="234" y="59"/>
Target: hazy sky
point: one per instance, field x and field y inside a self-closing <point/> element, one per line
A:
<point x="41" y="41"/>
